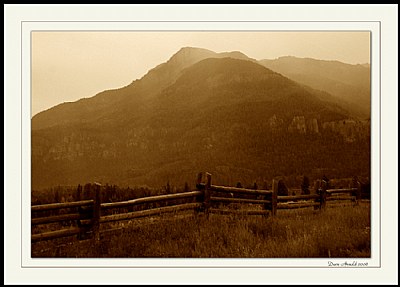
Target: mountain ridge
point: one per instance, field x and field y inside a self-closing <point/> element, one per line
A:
<point x="145" y="85"/>
<point x="221" y="114"/>
<point x="349" y="84"/>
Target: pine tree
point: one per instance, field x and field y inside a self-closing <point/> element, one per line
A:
<point x="305" y="186"/>
<point x="186" y="188"/>
<point x="282" y="189"/>
<point x="255" y="186"/>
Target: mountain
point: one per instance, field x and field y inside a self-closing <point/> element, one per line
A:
<point x="135" y="94"/>
<point x="223" y="113"/>
<point x="348" y="84"/>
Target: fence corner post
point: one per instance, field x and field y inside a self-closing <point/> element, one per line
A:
<point x="96" y="212"/>
<point x="274" y="198"/>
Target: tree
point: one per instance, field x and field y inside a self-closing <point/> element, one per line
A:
<point x="79" y="193"/>
<point x="354" y="181"/>
<point x="305" y="186"/>
<point x="87" y="191"/>
<point x="326" y="180"/>
<point x="282" y="189"/>
<point x="168" y="188"/>
<point x="186" y="188"/>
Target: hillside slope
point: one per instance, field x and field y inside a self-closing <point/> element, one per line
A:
<point x="232" y="117"/>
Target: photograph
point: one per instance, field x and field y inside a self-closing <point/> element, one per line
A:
<point x="192" y="144"/>
<point x="200" y="144"/>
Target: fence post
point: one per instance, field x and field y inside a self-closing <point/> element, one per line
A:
<point x="79" y="193"/>
<point x="96" y="212"/>
<point x="322" y="195"/>
<point x="85" y="212"/>
<point x="200" y="198"/>
<point x="199" y="179"/>
<point x="274" y="198"/>
<point x="79" y="223"/>
<point x="207" y="193"/>
<point x="267" y="206"/>
<point x="317" y="186"/>
<point x="359" y="193"/>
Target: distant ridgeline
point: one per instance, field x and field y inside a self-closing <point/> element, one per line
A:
<point x="224" y="113"/>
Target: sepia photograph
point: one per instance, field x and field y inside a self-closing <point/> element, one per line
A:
<point x="201" y="144"/>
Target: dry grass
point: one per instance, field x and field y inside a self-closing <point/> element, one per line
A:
<point x="342" y="232"/>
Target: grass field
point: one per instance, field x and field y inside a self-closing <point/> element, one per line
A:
<point x="335" y="232"/>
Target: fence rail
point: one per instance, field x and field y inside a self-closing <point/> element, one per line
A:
<point x="345" y="190"/>
<point x="52" y="206"/>
<point x="344" y="197"/>
<point x="207" y="199"/>
<point x="297" y="205"/>
<point x="149" y="212"/>
<point x="239" y="212"/>
<point x="56" y="218"/>
<point x="298" y="197"/>
<point x="55" y="234"/>
<point x="158" y="198"/>
<point x="239" y="200"/>
<point x="237" y="190"/>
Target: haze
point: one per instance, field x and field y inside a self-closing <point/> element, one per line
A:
<point x="67" y="66"/>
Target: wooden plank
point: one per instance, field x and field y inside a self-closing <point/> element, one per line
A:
<point x="239" y="200"/>
<point x="298" y="197"/>
<point x="229" y="189"/>
<point x="239" y="212"/>
<point x="44" y="207"/>
<point x="297" y="205"/>
<point x="55" y="234"/>
<point x="344" y="190"/>
<point x="149" y="212"/>
<point x="337" y="198"/>
<point x="57" y="218"/>
<point x="157" y="198"/>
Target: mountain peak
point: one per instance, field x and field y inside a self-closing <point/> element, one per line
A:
<point x="189" y="55"/>
<point x="189" y="49"/>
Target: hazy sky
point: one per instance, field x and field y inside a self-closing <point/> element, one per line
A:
<point x="67" y="66"/>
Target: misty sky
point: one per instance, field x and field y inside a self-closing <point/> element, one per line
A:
<point x="67" y="66"/>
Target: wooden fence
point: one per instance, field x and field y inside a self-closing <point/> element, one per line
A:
<point x="208" y="198"/>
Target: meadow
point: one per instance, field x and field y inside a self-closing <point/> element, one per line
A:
<point x="336" y="232"/>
